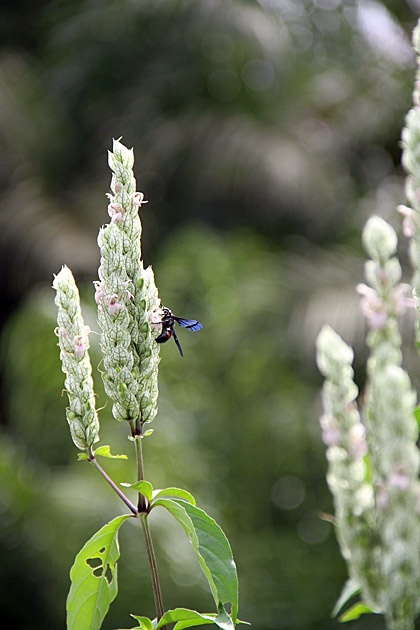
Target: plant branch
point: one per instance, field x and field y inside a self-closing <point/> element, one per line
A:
<point x="108" y="479"/>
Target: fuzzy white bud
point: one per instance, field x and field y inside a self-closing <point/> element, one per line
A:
<point x="379" y="239"/>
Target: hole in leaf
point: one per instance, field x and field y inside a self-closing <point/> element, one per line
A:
<point x="102" y="550"/>
<point x="96" y="565"/>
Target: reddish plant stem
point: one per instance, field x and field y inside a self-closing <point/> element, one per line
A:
<point x="116" y="489"/>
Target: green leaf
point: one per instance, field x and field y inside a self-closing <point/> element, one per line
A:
<point x="349" y="590"/>
<point x="417" y="415"/>
<point x="94" y="578"/>
<point x="82" y="456"/>
<point x="185" y="618"/>
<point x="144" y="623"/>
<point x="105" y="451"/>
<point x="354" y="612"/>
<point x="212" y="549"/>
<point x="179" y="493"/>
<point x="144" y="487"/>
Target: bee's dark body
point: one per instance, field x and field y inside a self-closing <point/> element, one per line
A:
<point x="168" y="320"/>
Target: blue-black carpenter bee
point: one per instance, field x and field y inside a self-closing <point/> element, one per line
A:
<point x="164" y="317"/>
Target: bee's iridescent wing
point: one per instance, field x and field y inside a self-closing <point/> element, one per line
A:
<point x="191" y="324"/>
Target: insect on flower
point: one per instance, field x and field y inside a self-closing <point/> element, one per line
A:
<point x="165" y="319"/>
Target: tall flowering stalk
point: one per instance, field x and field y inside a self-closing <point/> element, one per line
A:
<point x="125" y="294"/>
<point x="73" y="340"/>
<point x="344" y="435"/>
<point x="411" y="163"/>
<point x="393" y="458"/>
<point x="378" y="521"/>
<point x="132" y="324"/>
<point x="392" y="431"/>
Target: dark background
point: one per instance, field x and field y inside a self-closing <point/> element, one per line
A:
<point x="265" y="134"/>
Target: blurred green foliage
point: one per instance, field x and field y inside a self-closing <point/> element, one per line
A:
<point x="237" y="426"/>
<point x="264" y="134"/>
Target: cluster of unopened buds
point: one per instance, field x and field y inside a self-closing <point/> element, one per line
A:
<point x="377" y="310"/>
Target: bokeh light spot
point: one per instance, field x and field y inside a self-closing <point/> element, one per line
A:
<point x="288" y="492"/>
<point x="258" y="74"/>
<point x="312" y="529"/>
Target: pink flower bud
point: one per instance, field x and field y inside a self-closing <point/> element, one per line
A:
<point x="130" y="296"/>
<point x="115" y="211"/>
<point x="408" y="220"/>
<point x="357" y="441"/>
<point x="79" y="346"/>
<point x="330" y="432"/>
<point x="98" y="291"/>
<point x="372" y="307"/>
<point x="113" y="305"/>
<point x="402" y="298"/>
<point x="138" y="198"/>
<point x="331" y="437"/>
<point x="117" y="217"/>
<point x="399" y="479"/>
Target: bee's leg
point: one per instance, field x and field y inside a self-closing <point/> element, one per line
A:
<point x="177" y="343"/>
